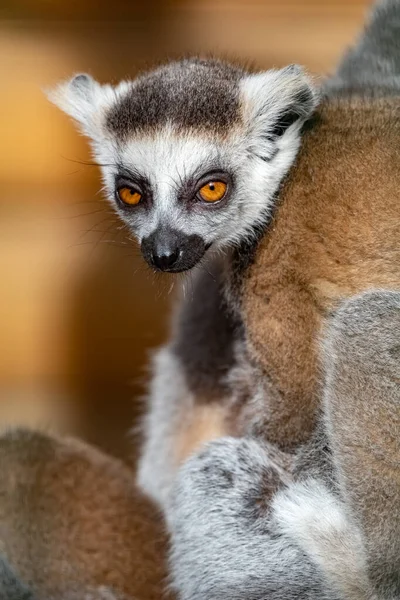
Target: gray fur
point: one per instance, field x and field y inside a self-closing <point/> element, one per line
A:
<point x="225" y="541"/>
<point x="170" y="401"/>
<point x="206" y="353"/>
<point x="362" y="403"/>
<point x="11" y="587"/>
<point x="373" y="66"/>
<point x="191" y="93"/>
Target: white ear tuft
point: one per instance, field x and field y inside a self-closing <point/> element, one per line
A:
<point x="83" y="99"/>
<point x="274" y="100"/>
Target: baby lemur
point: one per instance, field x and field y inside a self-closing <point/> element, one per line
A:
<point x="193" y="155"/>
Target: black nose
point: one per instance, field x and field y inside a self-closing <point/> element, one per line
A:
<point x="165" y="260"/>
<point x="168" y="249"/>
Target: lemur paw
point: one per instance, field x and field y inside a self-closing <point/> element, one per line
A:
<point x="228" y="475"/>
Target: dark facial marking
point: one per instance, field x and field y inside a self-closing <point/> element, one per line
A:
<point x="191" y="93"/>
<point x="283" y="123"/>
<point x="300" y="107"/>
<point x="136" y="181"/>
<point x="189" y="191"/>
<point x="171" y="250"/>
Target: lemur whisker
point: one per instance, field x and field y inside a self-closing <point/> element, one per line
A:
<point x="88" y="163"/>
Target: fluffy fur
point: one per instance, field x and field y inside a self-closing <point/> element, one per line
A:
<point x="167" y="129"/>
<point x="286" y="509"/>
<point x="72" y="524"/>
<point x="246" y="523"/>
<point x="334" y="235"/>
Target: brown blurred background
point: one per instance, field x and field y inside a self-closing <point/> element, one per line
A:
<point x="79" y="312"/>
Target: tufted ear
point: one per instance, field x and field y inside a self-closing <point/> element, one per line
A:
<point x="84" y="99"/>
<point x="273" y="101"/>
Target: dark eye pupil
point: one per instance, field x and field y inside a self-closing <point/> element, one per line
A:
<point x="132" y="192"/>
<point x="212" y="187"/>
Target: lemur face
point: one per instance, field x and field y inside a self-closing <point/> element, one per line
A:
<point x="192" y="153"/>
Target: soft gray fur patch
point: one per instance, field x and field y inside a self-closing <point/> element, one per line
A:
<point x="245" y="528"/>
<point x="373" y="65"/>
<point x="362" y="405"/>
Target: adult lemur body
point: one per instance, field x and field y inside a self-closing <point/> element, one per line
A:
<point x="254" y="516"/>
<point x="316" y="517"/>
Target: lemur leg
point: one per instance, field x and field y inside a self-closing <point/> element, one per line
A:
<point x="188" y="399"/>
<point x="362" y="406"/>
<point x="227" y="540"/>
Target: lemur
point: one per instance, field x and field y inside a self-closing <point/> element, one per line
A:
<point x="192" y="157"/>
<point x="194" y="154"/>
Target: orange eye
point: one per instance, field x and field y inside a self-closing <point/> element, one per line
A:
<point x="129" y="196"/>
<point x="213" y="191"/>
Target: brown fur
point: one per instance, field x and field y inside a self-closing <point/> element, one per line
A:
<point x="336" y="233"/>
<point x="71" y="519"/>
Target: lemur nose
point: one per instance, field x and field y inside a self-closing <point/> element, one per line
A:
<point x="166" y="259"/>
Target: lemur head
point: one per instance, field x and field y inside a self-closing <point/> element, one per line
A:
<point x="192" y="153"/>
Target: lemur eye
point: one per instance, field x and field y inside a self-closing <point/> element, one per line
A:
<point x="213" y="191"/>
<point x="129" y="195"/>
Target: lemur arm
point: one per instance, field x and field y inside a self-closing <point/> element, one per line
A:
<point x="363" y="419"/>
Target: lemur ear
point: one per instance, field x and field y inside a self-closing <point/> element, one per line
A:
<point x="272" y="102"/>
<point x="84" y="99"/>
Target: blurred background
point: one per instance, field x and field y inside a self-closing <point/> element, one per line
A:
<point x="79" y="312"/>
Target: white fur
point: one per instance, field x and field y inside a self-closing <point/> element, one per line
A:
<point x="266" y="96"/>
<point x="168" y="156"/>
<point x="86" y="100"/>
<point x="170" y="401"/>
<point x="315" y="519"/>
